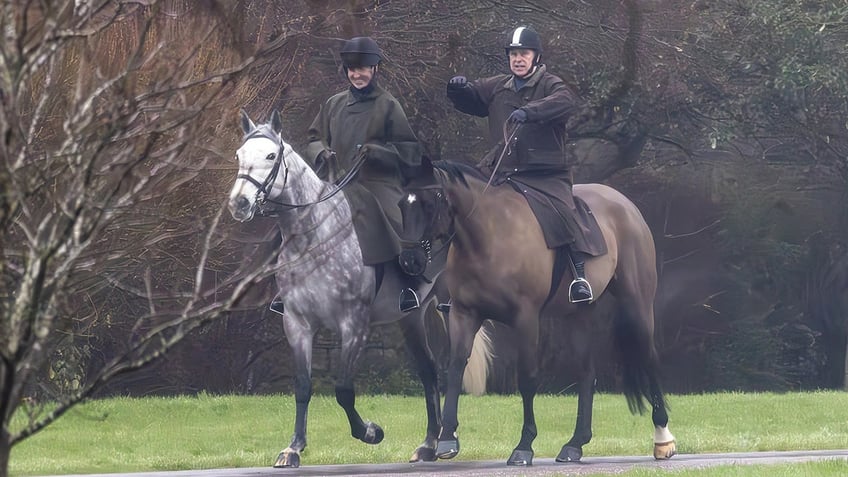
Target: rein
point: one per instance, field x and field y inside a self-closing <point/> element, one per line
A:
<point x="507" y="140"/>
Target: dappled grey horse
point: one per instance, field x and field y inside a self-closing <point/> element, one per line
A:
<point x="322" y="282"/>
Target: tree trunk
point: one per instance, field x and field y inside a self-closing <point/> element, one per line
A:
<point x="5" y="449"/>
<point x="845" y="369"/>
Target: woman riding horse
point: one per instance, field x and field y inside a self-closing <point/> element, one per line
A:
<point x="365" y="122"/>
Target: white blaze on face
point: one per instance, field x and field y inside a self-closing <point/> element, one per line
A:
<point x="411" y="199"/>
<point x="253" y="161"/>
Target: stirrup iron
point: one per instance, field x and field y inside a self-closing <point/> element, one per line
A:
<point x="576" y="295"/>
<point x="408" y="300"/>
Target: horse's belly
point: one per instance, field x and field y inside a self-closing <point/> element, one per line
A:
<point x="324" y="289"/>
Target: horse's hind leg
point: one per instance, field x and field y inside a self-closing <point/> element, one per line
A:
<point x="665" y="445"/>
<point x="354" y="336"/>
<point x="416" y="342"/>
<point x="300" y="341"/>
<point x="634" y="332"/>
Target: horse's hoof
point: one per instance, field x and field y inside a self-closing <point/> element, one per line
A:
<point x="664" y="450"/>
<point x="447" y="449"/>
<point x="521" y="457"/>
<point x="288" y="458"/>
<point x="423" y="454"/>
<point x="569" y="454"/>
<point x="373" y="434"/>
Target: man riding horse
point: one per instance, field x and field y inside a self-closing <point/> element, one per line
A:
<point x="529" y="108"/>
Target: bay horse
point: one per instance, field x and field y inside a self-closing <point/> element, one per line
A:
<point x="322" y="281"/>
<point x="499" y="268"/>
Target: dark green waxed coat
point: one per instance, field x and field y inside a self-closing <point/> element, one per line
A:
<point x="375" y="121"/>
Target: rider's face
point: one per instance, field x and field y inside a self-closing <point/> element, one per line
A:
<point x="521" y="61"/>
<point x="360" y="76"/>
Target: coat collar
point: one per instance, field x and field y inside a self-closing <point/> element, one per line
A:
<point x="531" y="81"/>
<point x="360" y="97"/>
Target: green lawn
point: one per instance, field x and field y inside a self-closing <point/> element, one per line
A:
<point x="128" y="435"/>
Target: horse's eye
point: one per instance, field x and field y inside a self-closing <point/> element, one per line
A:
<point x="270" y="157"/>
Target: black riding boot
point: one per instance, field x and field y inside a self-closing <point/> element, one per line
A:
<point x="580" y="290"/>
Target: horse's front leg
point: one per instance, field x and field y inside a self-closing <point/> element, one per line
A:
<point x="415" y="335"/>
<point x="300" y="341"/>
<point x="527" y="340"/>
<point x="354" y="334"/>
<point x="463" y="326"/>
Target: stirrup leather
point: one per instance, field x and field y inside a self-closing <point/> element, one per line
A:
<point x="576" y="297"/>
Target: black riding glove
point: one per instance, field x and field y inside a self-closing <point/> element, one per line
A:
<point x="457" y="83"/>
<point x="323" y="162"/>
<point x="517" y="117"/>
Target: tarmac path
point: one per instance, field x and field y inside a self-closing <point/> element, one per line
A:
<point x="541" y="467"/>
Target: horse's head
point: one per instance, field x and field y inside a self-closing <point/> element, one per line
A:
<point x="427" y="219"/>
<point x="263" y="169"/>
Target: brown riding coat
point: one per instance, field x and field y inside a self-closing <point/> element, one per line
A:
<point x="375" y="121"/>
<point x="535" y="162"/>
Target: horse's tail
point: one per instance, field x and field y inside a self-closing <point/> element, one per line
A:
<point x="637" y="356"/>
<point x="479" y="363"/>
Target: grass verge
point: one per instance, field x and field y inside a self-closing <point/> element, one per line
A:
<point x="199" y="432"/>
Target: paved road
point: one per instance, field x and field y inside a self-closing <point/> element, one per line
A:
<point x="541" y="467"/>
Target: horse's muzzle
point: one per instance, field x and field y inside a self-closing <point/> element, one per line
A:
<point x="241" y="208"/>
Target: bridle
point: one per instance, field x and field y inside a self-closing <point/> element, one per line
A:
<point x="263" y="189"/>
<point x="429" y="234"/>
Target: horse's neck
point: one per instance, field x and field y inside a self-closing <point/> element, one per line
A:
<point x="472" y="211"/>
<point x="322" y="218"/>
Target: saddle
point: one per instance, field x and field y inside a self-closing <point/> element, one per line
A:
<point x="565" y="219"/>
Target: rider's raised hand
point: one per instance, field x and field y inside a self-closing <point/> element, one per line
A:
<point x="457" y="82"/>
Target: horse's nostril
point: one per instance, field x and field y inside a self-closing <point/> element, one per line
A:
<point x="243" y="203"/>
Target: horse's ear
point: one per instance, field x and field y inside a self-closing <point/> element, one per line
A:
<point x="246" y="124"/>
<point x="276" y="121"/>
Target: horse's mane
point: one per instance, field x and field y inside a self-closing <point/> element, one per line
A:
<point x="457" y="171"/>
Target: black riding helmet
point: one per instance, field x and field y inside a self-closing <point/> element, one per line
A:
<point x="527" y="38"/>
<point x="360" y="51"/>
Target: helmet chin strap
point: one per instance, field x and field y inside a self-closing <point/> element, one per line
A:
<point x="530" y="73"/>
